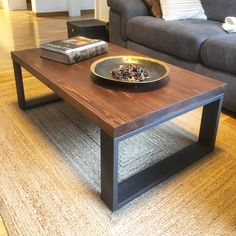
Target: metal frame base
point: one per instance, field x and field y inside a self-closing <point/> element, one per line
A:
<point x="116" y="195"/>
<point x="23" y="104"/>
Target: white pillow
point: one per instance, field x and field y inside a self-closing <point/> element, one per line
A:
<point x="182" y="9"/>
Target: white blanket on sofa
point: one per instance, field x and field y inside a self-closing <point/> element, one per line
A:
<point x="230" y="24"/>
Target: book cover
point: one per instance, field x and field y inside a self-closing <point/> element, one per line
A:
<point x="73" y="50"/>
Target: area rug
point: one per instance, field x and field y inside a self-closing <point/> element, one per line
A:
<point x="50" y="178"/>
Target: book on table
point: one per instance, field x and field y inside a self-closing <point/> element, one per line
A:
<point x="73" y="50"/>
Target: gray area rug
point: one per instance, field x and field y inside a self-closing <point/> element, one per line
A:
<point x="79" y="141"/>
<point x="50" y="178"/>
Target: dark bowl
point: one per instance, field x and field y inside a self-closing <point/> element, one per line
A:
<point x="157" y="70"/>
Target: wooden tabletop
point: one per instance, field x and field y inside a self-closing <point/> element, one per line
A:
<point x="114" y="109"/>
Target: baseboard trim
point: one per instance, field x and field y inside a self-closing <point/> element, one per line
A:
<point x="62" y="13"/>
<point x="49" y="14"/>
<point x="87" y="12"/>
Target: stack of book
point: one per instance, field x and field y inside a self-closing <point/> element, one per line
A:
<point x="73" y="50"/>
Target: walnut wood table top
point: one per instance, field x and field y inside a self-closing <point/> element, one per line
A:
<point x="114" y="109"/>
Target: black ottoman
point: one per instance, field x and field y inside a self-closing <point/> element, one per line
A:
<point x="88" y="28"/>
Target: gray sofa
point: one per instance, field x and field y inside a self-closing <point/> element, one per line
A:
<point x="198" y="45"/>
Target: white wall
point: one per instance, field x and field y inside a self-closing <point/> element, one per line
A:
<point x="17" y="4"/>
<point x="101" y="10"/>
<point x="4" y="4"/>
<point x="13" y="4"/>
<point x="49" y="5"/>
<point x="86" y="4"/>
<point x="73" y="6"/>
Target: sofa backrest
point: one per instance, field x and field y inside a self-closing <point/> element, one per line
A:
<point x="219" y="9"/>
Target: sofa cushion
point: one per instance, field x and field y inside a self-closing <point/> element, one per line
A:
<point x="182" y="39"/>
<point x="219" y="9"/>
<point x="220" y="53"/>
<point x="182" y="9"/>
<point x="154" y="7"/>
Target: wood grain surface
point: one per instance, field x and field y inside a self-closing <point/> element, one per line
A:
<point x="118" y="110"/>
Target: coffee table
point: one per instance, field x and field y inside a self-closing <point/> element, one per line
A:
<point x="122" y="113"/>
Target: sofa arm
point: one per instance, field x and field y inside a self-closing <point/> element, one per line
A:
<point x="127" y="9"/>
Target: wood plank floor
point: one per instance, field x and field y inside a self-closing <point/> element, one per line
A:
<point x="22" y="30"/>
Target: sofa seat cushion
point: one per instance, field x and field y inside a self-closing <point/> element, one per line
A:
<point x="220" y="53"/>
<point x="182" y="39"/>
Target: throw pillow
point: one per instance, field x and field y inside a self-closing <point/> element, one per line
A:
<point x="154" y="7"/>
<point x="182" y="9"/>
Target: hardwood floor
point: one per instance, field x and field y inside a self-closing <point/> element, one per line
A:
<point x="3" y="231"/>
<point x="21" y="30"/>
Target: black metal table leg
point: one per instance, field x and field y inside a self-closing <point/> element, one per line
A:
<point x="116" y="195"/>
<point x="109" y="171"/>
<point x="23" y="104"/>
<point x="19" y="85"/>
<point x="209" y="123"/>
